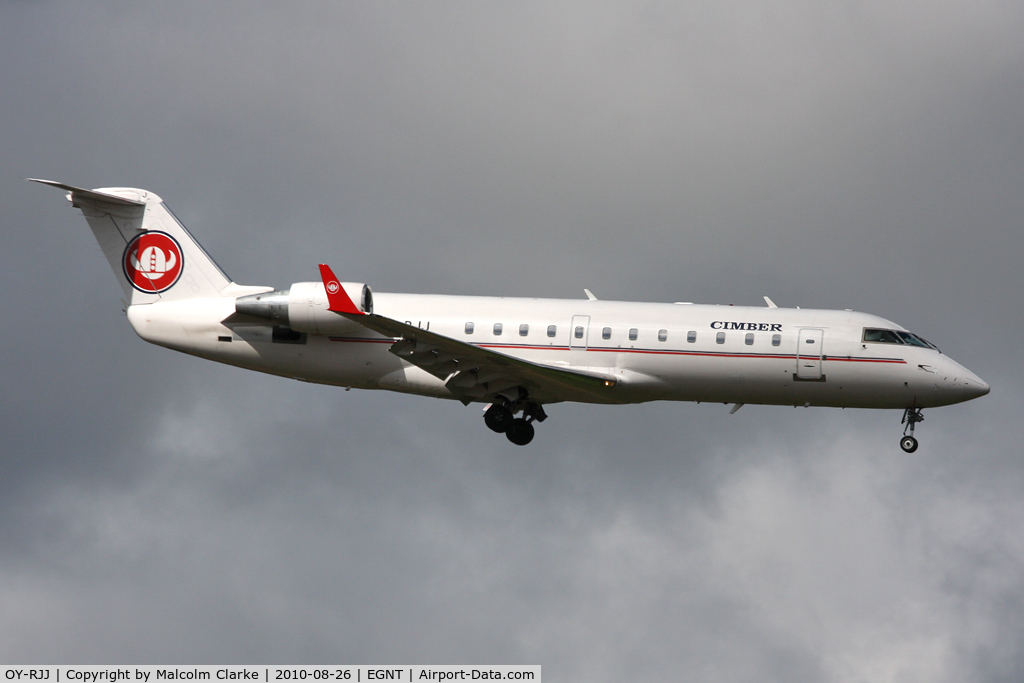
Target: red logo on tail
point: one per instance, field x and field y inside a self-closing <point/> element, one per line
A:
<point x="153" y="262"/>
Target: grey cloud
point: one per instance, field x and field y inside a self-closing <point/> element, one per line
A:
<point x="155" y="507"/>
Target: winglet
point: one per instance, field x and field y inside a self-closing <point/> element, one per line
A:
<point x="337" y="298"/>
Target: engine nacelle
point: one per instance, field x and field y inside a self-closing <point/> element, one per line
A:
<point x="307" y="306"/>
<point x="303" y="307"/>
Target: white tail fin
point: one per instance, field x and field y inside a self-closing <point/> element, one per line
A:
<point x="151" y="253"/>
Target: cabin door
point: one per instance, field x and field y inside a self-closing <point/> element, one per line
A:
<point x="808" y="354"/>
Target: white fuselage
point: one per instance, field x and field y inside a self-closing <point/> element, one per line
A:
<point x="681" y="352"/>
<point x="515" y="354"/>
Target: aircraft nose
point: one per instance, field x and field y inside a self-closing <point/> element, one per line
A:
<point x="966" y="382"/>
<point x="975" y="386"/>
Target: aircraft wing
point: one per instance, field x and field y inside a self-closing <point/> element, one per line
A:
<point x="471" y="372"/>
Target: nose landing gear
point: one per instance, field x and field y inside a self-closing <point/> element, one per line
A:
<point x="911" y="416"/>
<point x="500" y="417"/>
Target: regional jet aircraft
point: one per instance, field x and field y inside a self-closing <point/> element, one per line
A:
<point x="514" y="355"/>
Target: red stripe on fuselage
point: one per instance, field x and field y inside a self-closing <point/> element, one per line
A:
<point x="704" y="354"/>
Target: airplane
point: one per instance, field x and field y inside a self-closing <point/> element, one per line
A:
<point x="515" y="355"/>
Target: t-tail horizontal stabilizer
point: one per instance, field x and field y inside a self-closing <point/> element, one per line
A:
<point x="82" y="193"/>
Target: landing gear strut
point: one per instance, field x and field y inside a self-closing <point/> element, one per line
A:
<point x="911" y="416"/>
<point x="500" y="417"/>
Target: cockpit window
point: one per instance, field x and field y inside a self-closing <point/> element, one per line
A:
<point x="910" y="339"/>
<point x="883" y="336"/>
<point x="896" y="337"/>
<point x="914" y="340"/>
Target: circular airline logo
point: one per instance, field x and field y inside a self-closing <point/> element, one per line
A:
<point x="333" y="287"/>
<point x="152" y="262"/>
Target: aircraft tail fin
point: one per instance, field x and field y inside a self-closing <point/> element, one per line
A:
<point x="153" y="256"/>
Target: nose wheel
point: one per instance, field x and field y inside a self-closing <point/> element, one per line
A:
<point x="911" y="416"/>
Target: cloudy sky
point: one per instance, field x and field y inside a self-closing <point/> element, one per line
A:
<point x="156" y="508"/>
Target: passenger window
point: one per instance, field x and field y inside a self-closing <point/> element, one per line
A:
<point x="776" y="339"/>
<point x="632" y="334"/>
<point x="524" y="330"/>
<point x="469" y="328"/>
<point x="578" y="332"/>
<point x="606" y="333"/>
<point x="720" y="338"/>
<point x="749" y="339"/>
<point x="808" y="341"/>
<point x="552" y="329"/>
<point x="662" y="335"/>
<point x="691" y="336"/>
<point x="497" y="329"/>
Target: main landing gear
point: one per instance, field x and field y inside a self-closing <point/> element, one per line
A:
<point x="500" y="417"/>
<point x="911" y="416"/>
